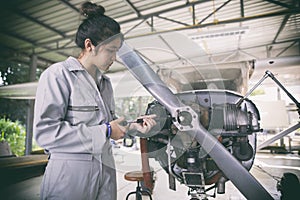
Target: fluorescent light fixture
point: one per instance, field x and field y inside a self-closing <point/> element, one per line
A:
<point x="219" y="33"/>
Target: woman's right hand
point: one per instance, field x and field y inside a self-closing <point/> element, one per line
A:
<point x="117" y="131"/>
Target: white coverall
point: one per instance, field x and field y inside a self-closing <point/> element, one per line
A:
<point x="69" y="123"/>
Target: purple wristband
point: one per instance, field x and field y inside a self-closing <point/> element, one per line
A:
<point x="108" y="134"/>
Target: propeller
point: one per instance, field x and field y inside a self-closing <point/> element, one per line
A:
<point x="186" y="119"/>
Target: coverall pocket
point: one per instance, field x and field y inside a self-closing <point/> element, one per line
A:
<point x="82" y="114"/>
<point x="68" y="179"/>
<point x="54" y="181"/>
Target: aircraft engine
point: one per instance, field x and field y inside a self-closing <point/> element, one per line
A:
<point x="183" y="158"/>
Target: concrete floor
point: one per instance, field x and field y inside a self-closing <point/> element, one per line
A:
<point x="267" y="168"/>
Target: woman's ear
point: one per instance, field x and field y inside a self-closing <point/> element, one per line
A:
<point x="88" y="45"/>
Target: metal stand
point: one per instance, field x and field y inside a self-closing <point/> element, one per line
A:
<point x="271" y="75"/>
<point x="285" y="132"/>
<point x="278" y="136"/>
<point x="138" y="177"/>
<point x="139" y="193"/>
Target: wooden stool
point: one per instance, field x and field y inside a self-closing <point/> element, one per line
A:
<point x="136" y="176"/>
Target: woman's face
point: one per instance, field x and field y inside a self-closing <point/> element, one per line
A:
<point x="105" y="54"/>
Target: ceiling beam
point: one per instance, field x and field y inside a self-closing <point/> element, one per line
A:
<point x="19" y="56"/>
<point x="219" y="8"/>
<point x="285" y="12"/>
<point x="187" y="4"/>
<point x="280" y="4"/>
<point x="228" y="21"/>
<point x="31" y="42"/>
<point x="285" y="49"/>
<point x="34" y="20"/>
<point x="221" y="53"/>
<point x="172" y="20"/>
<point x="235" y="20"/>
<point x="135" y="10"/>
<point x="242" y="8"/>
<point x="132" y="28"/>
<point x="14" y="35"/>
<point x="67" y="3"/>
<point x="283" y="23"/>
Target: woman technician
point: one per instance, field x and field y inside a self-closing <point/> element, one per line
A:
<point x="74" y="115"/>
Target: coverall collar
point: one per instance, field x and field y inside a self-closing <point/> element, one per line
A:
<point x="74" y="65"/>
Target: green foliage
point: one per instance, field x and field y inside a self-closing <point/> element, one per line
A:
<point x="14" y="109"/>
<point x="14" y="73"/>
<point x="14" y="133"/>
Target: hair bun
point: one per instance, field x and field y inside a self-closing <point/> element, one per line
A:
<point x="89" y="9"/>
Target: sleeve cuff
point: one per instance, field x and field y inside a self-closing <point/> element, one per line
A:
<point x="99" y="138"/>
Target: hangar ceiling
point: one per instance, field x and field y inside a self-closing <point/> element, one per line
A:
<point x="169" y="34"/>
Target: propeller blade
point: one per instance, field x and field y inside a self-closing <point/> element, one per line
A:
<point x="228" y="164"/>
<point x="148" y="78"/>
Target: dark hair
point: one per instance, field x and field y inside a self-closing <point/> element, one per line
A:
<point x="97" y="26"/>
